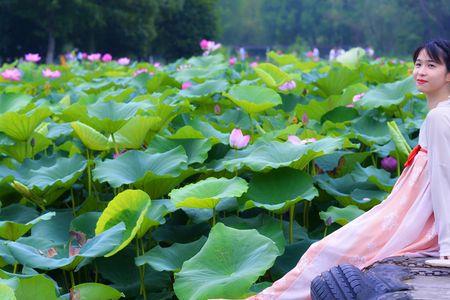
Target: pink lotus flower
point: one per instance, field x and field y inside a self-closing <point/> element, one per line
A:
<point x="186" y="85"/>
<point x="94" y="57"/>
<point x="140" y="71"/>
<point x="238" y="140"/>
<point x="204" y="44"/>
<point x="217" y="109"/>
<point x="253" y="64"/>
<point x="32" y="57"/>
<point x="297" y="141"/>
<point x="310" y="54"/>
<point x="209" y="46"/>
<point x="157" y="65"/>
<point x="389" y="163"/>
<point x="288" y="85"/>
<point x="123" y="61"/>
<point x="305" y="118"/>
<point x="51" y="74"/>
<point x="11" y="74"/>
<point x="106" y="57"/>
<point x="356" y="98"/>
<point x="84" y="55"/>
<point x="232" y="61"/>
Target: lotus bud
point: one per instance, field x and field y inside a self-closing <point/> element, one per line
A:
<point x="329" y="221"/>
<point x="32" y="57"/>
<point x="238" y="140"/>
<point x="217" y="109"/>
<point x="389" y="164"/>
<point x="22" y="189"/>
<point x="186" y="85"/>
<point x="305" y="118"/>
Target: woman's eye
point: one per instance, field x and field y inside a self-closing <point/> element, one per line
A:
<point x="417" y="64"/>
<point x="431" y="66"/>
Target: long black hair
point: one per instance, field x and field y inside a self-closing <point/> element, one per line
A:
<point x="438" y="50"/>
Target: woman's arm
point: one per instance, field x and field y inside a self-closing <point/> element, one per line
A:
<point x="438" y="142"/>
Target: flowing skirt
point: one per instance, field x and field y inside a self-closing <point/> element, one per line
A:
<point x="403" y="224"/>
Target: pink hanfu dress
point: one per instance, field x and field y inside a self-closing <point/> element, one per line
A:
<point x="408" y="222"/>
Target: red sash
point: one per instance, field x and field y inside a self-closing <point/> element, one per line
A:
<point x="413" y="154"/>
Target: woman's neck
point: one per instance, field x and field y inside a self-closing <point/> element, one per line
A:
<point x="437" y="97"/>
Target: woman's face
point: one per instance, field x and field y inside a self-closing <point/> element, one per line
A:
<point x="429" y="75"/>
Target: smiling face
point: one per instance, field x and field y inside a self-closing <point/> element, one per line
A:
<point x="431" y="77"/>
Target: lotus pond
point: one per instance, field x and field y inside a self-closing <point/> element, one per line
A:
<point x="125" y="180"/>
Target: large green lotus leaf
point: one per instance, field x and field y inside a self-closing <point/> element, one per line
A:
<point x="98" y="291"/>
<point x="133" y="133"/>
<point x="170" y="258"/>
<point x="6" y="292"/>
<point x="90" y="137"/>
<point x="130" y="207"/>
<point x="343" y="189"/>
<point x="56" y="130"/>
<point x="86" y="223"/>
<point x="6" y="257"/>
<point x="16" y="220"/>
<point x="371" y="131"/>
<point x="292" y="254"/>
<point x="22" y="150"/>
<point x="133" y="166"/>
<point x="205" y="89"/>
<point x="381" y="178"/>
<point x="271" y="74"/>
<point x="209" y="131"/>
<point x="21" y="126"/>
<point x="98" y="246"/>
<point x="253" y="99"/>
<point x="56" y="229"/>
<point x="265" y="225"/>
<point x="337" y="79"/>
<point x="351" y="58"/>
<point x="159" y="186"/>
<point x="49" y="177"/>
<point x="340" y="215"/>
<point x="13" y="102"/>
<point x="154" y="217"/>
<point x="196" y="149"/>
<point x="401" y="144"/>
<point x="283" y="59"/>
<point x="208" y="193"/>
<point x="111" y="116"/>
<point x="388" y="95"/>
<point x="187" y="132"/>
<point x="279" y="189"/>
<point x="228" y="264"/>
<point x="340" y="114"/>
<point x="120" y="95"/>
<point x="331" y="161"/>
<point x="384" y="73"/>
<point x="264" y="155"/>
<point x="37" y="287"/>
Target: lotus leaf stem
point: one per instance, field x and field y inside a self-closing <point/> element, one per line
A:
<point x="291" y="223"/>
<point x="398" y="163"/>
<point x="72" y="279"/>
<point x="89" y="172"/>
<point x="373" y="159"/>
<point x="116" y="149"/>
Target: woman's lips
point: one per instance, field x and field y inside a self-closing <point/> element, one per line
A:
<point x="420" y="81"/>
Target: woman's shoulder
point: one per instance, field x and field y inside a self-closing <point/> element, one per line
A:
<point x="439" y="115"/>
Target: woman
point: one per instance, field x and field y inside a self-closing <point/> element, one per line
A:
<point x="415" y="218"/>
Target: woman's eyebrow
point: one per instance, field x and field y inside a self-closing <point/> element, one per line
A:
<point x="428" y="60"/>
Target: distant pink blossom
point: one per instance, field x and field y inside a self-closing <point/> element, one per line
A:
<point x="356" y="98"/>
<point x="389" y="163"/>
<point x="253" y="64"/>
<point x="288" y="85"/>
<point x="106" y="57"/>
<point x="157" y="64"/>
<point x="84" y="55"/>
<point x="238" y="140"/>
<point x="51" y="74"/>
<point x="232" y="61"/>
<point x="310" y="54"/>
<point x="32" y="57"/>
<point x="94" y="57"/>
<point x="123" y="61"/>
<point x="116" y="155"/>
<point x="11" y="74"/>
<point x="297" y="141"/>
<point x="140" y="71"/>
<point x="186" y="85"/>
<point x="217" y="109"/>
<point x="305" y="118"/>
<point x="209" y="46"/>
<point x="204" y="44"/>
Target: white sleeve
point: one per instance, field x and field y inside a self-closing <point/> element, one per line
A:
<point x="438" y="142"/>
